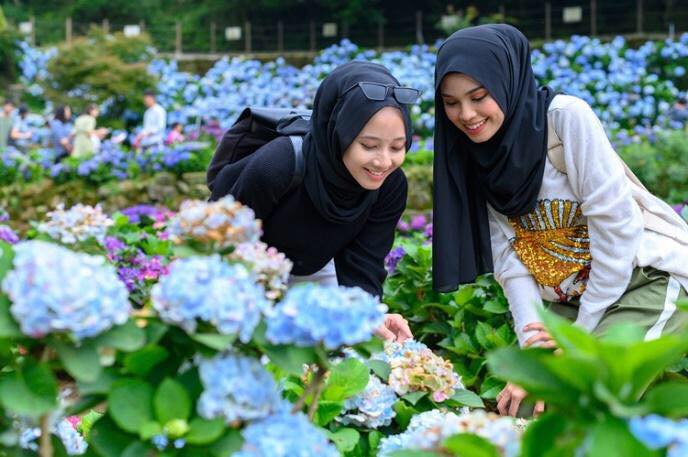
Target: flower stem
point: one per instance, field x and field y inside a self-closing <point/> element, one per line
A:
<point x="312" y="388"/>
<point x="319" y="386"/>
<point x="46" y="446"/>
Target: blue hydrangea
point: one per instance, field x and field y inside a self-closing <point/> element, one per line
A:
<point x="657" y="432"/>
<point x="237" y="388"/>
<point x="53" y="289"/>
<point x="285" y="435"/>
<point x="372" y="408"/>
<point x="311" y="314"/>
<point x="210" y="290"/>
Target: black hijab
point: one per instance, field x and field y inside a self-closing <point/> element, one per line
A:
<point x="505" y="171"/>
<point x="337" y="120"/>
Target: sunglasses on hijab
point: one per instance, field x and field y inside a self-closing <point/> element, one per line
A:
<point x="379" y="91"/>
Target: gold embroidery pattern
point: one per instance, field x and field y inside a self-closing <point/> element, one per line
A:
<point x="552" y="241"/>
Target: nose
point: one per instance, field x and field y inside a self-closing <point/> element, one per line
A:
<point x="466" y="112"/>
<point x="383" y="160"/>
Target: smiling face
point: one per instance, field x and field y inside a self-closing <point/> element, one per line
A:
<point x="470" y="107"/>
<point x="378" y="150"/>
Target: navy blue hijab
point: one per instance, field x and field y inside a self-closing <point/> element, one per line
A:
<point x="339" y="115"/>
<point x="505" y="171"/>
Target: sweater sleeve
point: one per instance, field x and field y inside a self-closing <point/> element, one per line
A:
<point x="362" y="262"/>
<point x="260" y="179"/>
<point x="519" y="286"/>
<point x="615" y="223"/>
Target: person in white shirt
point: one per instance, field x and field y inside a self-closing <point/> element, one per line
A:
<point x="528" y="186"/>
<point x="154" y="123"/>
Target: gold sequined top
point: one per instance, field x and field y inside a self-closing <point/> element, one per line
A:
<point x="552" y="241"/>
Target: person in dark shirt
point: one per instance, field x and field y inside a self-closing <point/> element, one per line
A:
<point x="338" y="225"/>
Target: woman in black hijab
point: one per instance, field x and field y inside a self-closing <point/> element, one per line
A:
<point x="528" y="186"/>
<point x="338" y="225"/>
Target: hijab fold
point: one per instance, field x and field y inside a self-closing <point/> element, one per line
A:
<point x="337" y="119"/>
<point x="506" y="171"/>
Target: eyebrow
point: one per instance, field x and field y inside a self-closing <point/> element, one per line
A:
<point x="375" y="138"/>
<point x="475" y="89"/>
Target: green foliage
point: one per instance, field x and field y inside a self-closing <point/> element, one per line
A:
<point x="466" y="323"/>
<point x="106" y="67"/>
<point x="593" y="386"/>
<point x="9" y="58"/>
<point x="661" y="165"/>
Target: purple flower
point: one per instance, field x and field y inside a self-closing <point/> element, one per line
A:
<point x="136" y="212"/>
<point x="113" y="244"/>
<point x="8" y="235"/>
<point x="428" y="231"/>
<point x="393" y="259"/>
<point x="403" y="226"/>
<point x="418" y="222"/>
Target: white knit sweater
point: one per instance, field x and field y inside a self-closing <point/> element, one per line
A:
<point x="586" y="234"/>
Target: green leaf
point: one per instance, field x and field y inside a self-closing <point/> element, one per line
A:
<point x="203" y="431"/>
<point x="214" y="340"/>
<point x="345" y="439"/>
<point x="6" y="257"/>
<point x="171" y="401"/>
<point x="327" y="411"/>
<point x="467" y="398"/>
<point x="469" y="445"/>
<point x="668" y="399"/>
<point x="230" y="443"/>
<point x="31" y="391"/>
<point x="82" y="362"/>
<point x="371" y="347"/>
<point x="612" y="438"/>
<point x="407" y="453"/>
<point x="347" y="379"/>
<point x="138" y="449"/>
<point x="528" y="368"/>
<point x="540" y="437"/>
<point x="149" y="430"/>
<point x="99" y="386"/>
<point x="145" y="359"/>
<point x="491" y="387"/>
<point x="414" y="397"/>
<point x="127" y="337"/>
<point x="130" y="404"/>
<point x="496" y="306"/>
<point x="8" y="326"/>
<point x="380" y="368"/>
<point x="291" y="358"/>
<point x="107" y="439"/>
<point x="404" y="413"/>
<point x="569" y="337"/>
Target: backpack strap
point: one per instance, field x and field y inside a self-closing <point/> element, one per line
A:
<point x="299" y="162"/>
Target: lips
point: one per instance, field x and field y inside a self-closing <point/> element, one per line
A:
<point x="375" y="175"/>
<point x="474" y="129"/>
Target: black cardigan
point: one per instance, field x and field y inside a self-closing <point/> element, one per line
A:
<point x="292" y="224"/>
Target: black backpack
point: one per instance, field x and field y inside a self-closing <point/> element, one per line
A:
<point x="256" y="127"/>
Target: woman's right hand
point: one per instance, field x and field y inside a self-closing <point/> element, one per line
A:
<point x="510" y="398"/>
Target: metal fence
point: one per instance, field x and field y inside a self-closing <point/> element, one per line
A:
<point x="544" y="20"/>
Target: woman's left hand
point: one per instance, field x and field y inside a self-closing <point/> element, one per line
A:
<point x="394" y="328"/>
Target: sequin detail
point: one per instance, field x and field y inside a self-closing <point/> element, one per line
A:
<point x="552" y="241"/>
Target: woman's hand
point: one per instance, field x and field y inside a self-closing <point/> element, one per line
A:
<point x="510" y="398"/>
<point x="394" y="328"/>
<point x="541" y="339"/>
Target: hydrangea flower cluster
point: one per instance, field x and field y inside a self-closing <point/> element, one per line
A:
<point x="137" y="270"/>
<point x="158" y="214"/>
<point x="311" y="314"/>
<point x="210" y="290"/>
<point x="657" y="432"/>
<point x="285" y="435"/>
<point x="428" y="430"/>
<point x="372" y="408"/>
<point x="270" y="266"/>
<point x="79" y="223"/>
<point x="8" y="235"/>
<point x="393" y="259"/>
<point x="53" y="289"/>
<point x="71" y="439"/>
<point x="223" y="223"/>
<point x="414" y="367"/>
<point x="238" y="388"/>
